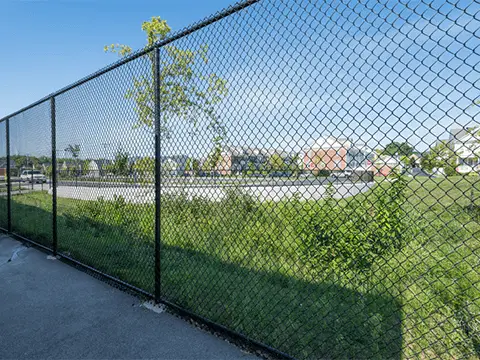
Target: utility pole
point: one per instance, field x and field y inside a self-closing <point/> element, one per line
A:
<point x="57" y="171"/>
<point x="31" y="171"/>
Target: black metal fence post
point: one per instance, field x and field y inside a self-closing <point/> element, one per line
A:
<point x="157" y="173"/>
<point x="54" y="176"/>
<point x="9" y="180"/>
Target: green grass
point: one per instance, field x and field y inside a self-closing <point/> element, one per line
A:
<point x="241" y="264"/>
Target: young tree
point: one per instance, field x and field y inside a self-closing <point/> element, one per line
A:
<point x="412" y="161"/>
<point x="440" y="156"/>
<point x="18" y="159"/>
<point x="144" y="168"/>
<point x="251" y="168"/>
<point x="120" y="165"/>
<point x="408" y="161"/>
<point x="48" y="171"/>
<point x="44" y="159"/>
<point x="188" y="164"/>
<point x="85" y="167"/>
<point x="398" y="148"/>
<point x="75" y="151"/>
<point x="34" y="162"/>
<point x="277" y="163"/>
<point x="213" y="159"/>
<point x="319" y="164"/>
<point x="295" y="166"/>
<point x="196" y="166"/>
<point x="192" y="165"/>
<point x="185" y="93"/>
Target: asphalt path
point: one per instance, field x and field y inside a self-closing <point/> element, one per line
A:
<point x="50" y="310"/>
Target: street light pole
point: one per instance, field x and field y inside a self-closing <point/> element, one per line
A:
<point x="105" y="145"/>
<point x="31" y="172"/>
<point x="56" y="163"/>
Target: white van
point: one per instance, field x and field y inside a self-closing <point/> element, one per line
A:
<point x="33" y="176"/>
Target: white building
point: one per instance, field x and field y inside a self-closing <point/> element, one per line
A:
<point x="465" y="143"/>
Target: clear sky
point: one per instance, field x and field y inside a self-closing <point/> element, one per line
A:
<point x="296" y="70"/>
<point x="48" y="44"/>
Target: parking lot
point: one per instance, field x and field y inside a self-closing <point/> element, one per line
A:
<point x="262" y="193"/>
<point x="214" y="190"/>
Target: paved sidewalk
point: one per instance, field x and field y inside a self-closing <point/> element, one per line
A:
<point x="50" y="310"/>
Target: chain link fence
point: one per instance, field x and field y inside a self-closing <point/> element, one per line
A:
<point x="304" y="174"/>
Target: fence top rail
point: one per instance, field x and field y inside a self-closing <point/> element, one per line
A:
<point x="139" y="53"/>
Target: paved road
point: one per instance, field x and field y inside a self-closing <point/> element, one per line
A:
<point x="212" y="182"/>
<point x="262" y="193"/>
<point x="50" y="310"/>
<point x="198" y="181"/>
<point x="146" y="194"/>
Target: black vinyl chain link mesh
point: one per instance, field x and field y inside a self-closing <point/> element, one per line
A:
<point x="319" y="175"/>
<point x="30" y="148"/>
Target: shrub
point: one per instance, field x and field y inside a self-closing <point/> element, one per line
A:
<point x="321" y="173"/>
<point x="336" y="234"/>
<point x="135" y="220"/>
<point x="352" y="236"/>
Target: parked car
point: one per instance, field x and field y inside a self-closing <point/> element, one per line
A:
<point x="33" y="176"/>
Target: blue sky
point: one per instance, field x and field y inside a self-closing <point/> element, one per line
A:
<point x="48" y="44"/>
<point x="372" y="71"/>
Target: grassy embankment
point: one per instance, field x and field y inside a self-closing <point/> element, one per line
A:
<point x="297" y="275"/>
